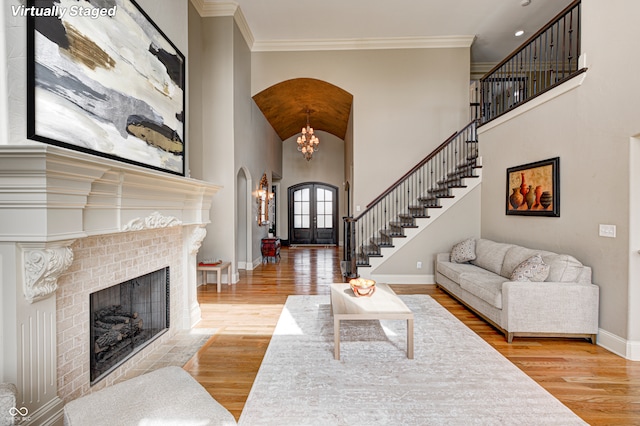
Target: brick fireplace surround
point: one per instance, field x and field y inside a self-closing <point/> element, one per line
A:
<point x="72" y="224"/>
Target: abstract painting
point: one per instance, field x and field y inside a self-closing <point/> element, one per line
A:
<point x="534" y="189"/>
<point x="104" y="79"/>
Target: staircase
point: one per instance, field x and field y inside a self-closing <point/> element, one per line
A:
<point x="413" y="202"/>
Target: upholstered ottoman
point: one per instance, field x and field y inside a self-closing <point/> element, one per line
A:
<point x="8" y="392"/>
<point x="168" y="396"/>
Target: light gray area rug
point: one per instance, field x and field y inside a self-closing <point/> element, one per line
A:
<point x="456" y="377"/>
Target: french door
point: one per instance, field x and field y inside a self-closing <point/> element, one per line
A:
<point x="313" y="213"/>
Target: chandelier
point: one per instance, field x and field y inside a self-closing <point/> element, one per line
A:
<point x="307" y="141"/>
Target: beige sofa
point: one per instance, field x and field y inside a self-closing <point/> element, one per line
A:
<point x="564" y="305"/>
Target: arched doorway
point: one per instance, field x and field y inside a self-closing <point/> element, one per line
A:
<point x="243" y="228"/>
<point x="313" y="213"/>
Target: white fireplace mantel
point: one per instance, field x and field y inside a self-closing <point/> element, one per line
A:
<point x="49" y="193"/>
<point x="51" y="197"/>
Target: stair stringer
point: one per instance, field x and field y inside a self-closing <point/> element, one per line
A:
<point x="422" y="224"/>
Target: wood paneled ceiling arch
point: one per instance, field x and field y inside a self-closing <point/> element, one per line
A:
<point x="285" y="104"/>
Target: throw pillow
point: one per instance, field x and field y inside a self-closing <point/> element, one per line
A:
<point x="464" y="251"/>
<point x="532" y="269"/>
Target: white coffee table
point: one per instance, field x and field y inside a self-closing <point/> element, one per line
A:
<point x="383" y="304"/>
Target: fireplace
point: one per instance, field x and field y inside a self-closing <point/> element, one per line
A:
<point x="81" y="224"/>
<point x="125" y="318"/>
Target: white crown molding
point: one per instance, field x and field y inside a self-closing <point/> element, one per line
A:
<point x="243" y="25"/>
<point x="480" y="69"/>
<point x="207" y="9"/>
<point x="211" y="9"/>
<point x="364" y="43"/>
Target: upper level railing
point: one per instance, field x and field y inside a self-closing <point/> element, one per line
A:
<point x="546" y="59"/>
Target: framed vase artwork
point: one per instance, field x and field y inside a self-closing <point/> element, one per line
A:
<point x="105" y="80"/>
<point x="534" y="189"/>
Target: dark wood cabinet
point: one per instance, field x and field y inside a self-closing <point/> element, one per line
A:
<point x="270" y="248"/>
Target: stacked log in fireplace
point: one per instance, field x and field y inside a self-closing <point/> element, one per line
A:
<point x="114" y="329"/>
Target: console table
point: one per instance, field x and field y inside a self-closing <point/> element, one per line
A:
<point x="217" y="268"/>
<point x="270" y="248"/>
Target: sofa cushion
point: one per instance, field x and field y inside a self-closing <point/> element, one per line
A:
<point x="464" y="251"/>
<point x="515" y="256"/>
<point x="490" y="255"/>
<point x="485" y="285"/>
<point x="532" y="269"/>
<point x="454" y="270"/>
<point x="562" y="267"/>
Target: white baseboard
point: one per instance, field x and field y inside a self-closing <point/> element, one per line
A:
<point x="195" y="315"/>
<point x="256" y="262"/>
<point x="402" y="279"/>
<point x="619" y="346"/>
<point x="250" y="266"/>
<point x="50" y="414"/>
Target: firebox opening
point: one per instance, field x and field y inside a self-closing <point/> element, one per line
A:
<point x="125" y="318"/>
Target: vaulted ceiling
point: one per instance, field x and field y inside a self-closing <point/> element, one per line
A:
<point x="285" y="106"/>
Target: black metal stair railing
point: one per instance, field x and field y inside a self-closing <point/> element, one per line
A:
<point x="546" y="59"/>
<point x="410" y="198"/>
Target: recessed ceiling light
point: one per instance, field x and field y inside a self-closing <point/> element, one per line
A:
<point x="519" y="33"/>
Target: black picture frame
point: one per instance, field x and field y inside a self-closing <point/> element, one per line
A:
<point x="540" y="183"/>
<point x="105" y="80"/>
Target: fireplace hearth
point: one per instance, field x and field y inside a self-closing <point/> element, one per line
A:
<point x="125" y="318"/>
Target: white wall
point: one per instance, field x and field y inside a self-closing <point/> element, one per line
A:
<point x="235" y="135"/>
<point x="460" y="221"/>
<point x="257" y="146"/>
<point x="216" y="60"/>
<point x="405" y="103"/>
<point x="589" y="128"/>
<point x="194" y="96"/>
<point x="14" y="29"/>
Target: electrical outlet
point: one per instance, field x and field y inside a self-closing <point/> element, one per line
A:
<point x="607" y="231"/>
<point x="419" y="265"/>
<point x="358" y="208"/>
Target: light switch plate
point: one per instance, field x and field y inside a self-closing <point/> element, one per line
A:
<point x="607" y="231"/>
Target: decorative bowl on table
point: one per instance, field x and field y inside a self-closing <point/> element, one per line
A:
<point x="362" y="287"/>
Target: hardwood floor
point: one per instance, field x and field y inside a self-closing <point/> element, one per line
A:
<point x="600" y="387"/>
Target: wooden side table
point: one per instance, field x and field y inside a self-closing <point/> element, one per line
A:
<point x="270" y="248"/>
<point x="217" y="268"/>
